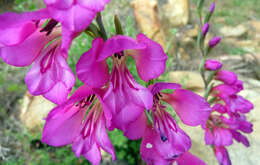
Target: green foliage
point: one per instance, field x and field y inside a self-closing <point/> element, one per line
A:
<point x="22" y="5"/>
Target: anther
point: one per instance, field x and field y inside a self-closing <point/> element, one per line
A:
<point x="49" y="27"/>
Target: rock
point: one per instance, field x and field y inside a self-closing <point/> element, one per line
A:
<point x="193" y="32"/>
<point x="146" y="14"/>
<point x="176" y="12"/>
<point x="237" y="31"/>
<point x="255" y="25"/>
<point x="33" y="110"/>
<point x="188" y="80"/>
<point x="249" y="45"/>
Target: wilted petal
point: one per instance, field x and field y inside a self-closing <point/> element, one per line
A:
<point x="89" y="70"/>
<point x="191" y="108"/>
<point x="151" y="61"/>
<point x="188" y="159"/>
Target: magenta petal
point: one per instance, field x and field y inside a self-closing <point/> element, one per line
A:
<point x="41" y="78"/>
<point x="222" y="137"/>
<point x="93" y="155"/>
<point x="17" y="34"/>
<point x="15" y="28"/>
<point x="124" y="94"/>
<point x="103" y="139"/>
<point x="91" y="72"/>
<point x="191" y="108"/>
<point x="128" y="114"/>
<point x="224" y="90"/>
<point x="59" y="4"/>
<point x="58" y="94"/>
<point x="222" y="155"/>
<point x="219" y="108"/>
<point x="148" y="150"/>
<point x="157" y="87"/>
<point x="97" y="5"/>
<point x="226" y="76"/>
<point x="117" y="44"/>
<point x="62" y="125"/>
<point x="240" y="138"/>
<point x="208" y="137"/>
<point x="178" y="142"/>
<point x="151" y="61"/>
<point x="135" y="130"/>
<point x="75" y="18"/>
<point x="237" y="103"/>
<point x="25" y="53"/>
<point x="189" y="159"/>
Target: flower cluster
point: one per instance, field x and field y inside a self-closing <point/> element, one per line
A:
<point x="110" y="97"/>
<point x="227" y="119"/>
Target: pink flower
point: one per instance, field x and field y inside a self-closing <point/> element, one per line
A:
<point x="222" y="155"/>
<point x="217" y="132"/>
<point x="75" y="15"/>
<point x="220" y="130"/>
<point x="70" y="123"/>
<point x="163" y="141"/>
<point x="24" y="40"/>
<point x="126" y="99"/>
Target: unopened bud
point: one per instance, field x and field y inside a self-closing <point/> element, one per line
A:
<point x="212" y="7"/>
<point x="205" y="29"/>
<point x="214" y="41"/>
<point x="212" y="65"/>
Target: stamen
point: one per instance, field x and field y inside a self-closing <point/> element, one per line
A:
<point x="119" y="55"/>
<point x="49" y="27"/>
<point x="85" y="102"/>
<point x="163" y="138"/>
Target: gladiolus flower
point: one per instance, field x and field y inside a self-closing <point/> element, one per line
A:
<point x="70" y="123"/>
<point x="26" y="40"/>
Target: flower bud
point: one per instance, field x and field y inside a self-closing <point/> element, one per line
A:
<point x="212" y="65"/>
<point x="212" y="7"/>
<point x="214" y="41"/>
<point x="205" y="29"/>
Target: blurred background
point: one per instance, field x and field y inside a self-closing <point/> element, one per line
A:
<point x="172" y="23"/>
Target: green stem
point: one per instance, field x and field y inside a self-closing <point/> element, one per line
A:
<point x="101" y="26"/>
